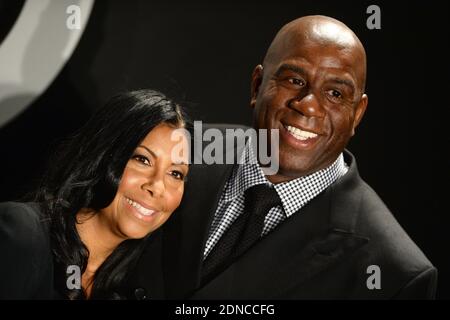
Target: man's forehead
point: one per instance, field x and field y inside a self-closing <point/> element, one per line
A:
<point x="332" y="33"/>
<point x="334" y="52"/>
<point x="321" y="29"/>
<point x="324" y="56"/>
<point x="324" y="35"/>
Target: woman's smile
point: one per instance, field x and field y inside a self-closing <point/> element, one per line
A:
<point x="141" y="211"/>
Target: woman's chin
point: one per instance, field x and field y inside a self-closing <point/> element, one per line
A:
<point x="132" y="229"/>
<point x="131" y="232"/>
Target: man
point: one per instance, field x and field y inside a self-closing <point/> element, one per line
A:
<point x="323" y="233"/>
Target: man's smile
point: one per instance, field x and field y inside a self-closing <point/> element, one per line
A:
<point x="300" y="134"/>
<point x="298" y="138"/>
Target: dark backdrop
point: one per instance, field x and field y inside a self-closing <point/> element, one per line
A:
<point x="204" y="54"/>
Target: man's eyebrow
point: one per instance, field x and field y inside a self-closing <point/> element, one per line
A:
<point x="155" y="156"/>
<point x="345" y="82"/>
<point x="290" y="67"/>
<point x="300" y="70"/>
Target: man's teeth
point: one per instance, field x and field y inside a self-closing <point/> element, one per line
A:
<point x="300" y="134"/>
<point x="141" y="209"/>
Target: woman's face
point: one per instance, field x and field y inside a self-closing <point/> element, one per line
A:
<point x="152" y="185"/>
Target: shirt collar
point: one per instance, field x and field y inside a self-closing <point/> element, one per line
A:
<point x="294" y="194"/>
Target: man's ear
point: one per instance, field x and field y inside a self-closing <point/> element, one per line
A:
<point x="257" y="77"/>
<point x="359" y="113"/>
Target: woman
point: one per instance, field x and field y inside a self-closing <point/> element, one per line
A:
<point x="115" y="182"/>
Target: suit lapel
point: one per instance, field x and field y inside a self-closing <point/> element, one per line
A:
<point x="186" y="232"/>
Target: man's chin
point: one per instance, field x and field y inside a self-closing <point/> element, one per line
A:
<point x="287" y="173"/>
<point x="296" y="164"/>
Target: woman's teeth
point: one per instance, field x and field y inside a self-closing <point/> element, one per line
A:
<point x="139" y="208"/>
<point x="300" y="134"/>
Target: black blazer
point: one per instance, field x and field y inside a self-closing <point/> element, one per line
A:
<point x="324" y="251"/>
<point x="26" y="266"/>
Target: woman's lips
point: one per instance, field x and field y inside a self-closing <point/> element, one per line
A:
<point x="141" y="212"/>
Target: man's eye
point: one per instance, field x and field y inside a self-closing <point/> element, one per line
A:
<point x="334" y="94"/>
<point x="177" y="175"/>
<point x="297" y="82"/>
<point x="142" y="159"/>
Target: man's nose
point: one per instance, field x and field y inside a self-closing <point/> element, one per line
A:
<point x="308" y="105"/>
<point x="155" y="186"/>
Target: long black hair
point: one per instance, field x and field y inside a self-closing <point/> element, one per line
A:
<point x="86" y="173"/>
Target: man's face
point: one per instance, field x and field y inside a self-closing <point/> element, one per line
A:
<point x="312" y="93"/>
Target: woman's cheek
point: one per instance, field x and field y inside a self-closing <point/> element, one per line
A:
<point x="129" y="179"/>
<point x="174" y="199"/>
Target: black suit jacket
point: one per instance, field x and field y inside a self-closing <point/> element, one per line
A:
<point x="324" y="251"/>
<point x="26" y="265"/>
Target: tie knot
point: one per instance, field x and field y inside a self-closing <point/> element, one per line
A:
<point x="261" y="198"/>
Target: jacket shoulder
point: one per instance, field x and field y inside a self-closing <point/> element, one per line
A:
<point x="378" y="222"/>
<point x="19" y="223"/>
<point x="24" y="248"/>
<point x="403" y="263"/>
<point x="24" y="218"/>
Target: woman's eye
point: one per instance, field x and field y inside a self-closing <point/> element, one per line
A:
<point x="297" y="82"/>
<point x="142" y="159"/>
<point x="177" y="175"/>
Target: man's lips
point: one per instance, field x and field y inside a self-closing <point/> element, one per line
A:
<point x="299" y="133"/>
<point x="299" y="138"/>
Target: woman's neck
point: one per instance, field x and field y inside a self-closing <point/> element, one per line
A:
<point x="99" y="239"/>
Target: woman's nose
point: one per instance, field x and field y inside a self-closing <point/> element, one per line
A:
<point x="155" y="186"/>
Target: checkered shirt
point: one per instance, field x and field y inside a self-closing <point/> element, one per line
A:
<point x="294" y="194"/>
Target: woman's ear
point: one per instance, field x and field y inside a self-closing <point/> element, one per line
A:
<point x="257" y="77"/>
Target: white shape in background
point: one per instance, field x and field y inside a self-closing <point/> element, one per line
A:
<point x="35" y="51"/>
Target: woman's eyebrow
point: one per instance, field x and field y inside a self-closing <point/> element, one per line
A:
<point x="156" y="157"/>
<point x="148" y="150"/>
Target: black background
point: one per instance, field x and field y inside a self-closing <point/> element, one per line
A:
<point x="204" y="53"/>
